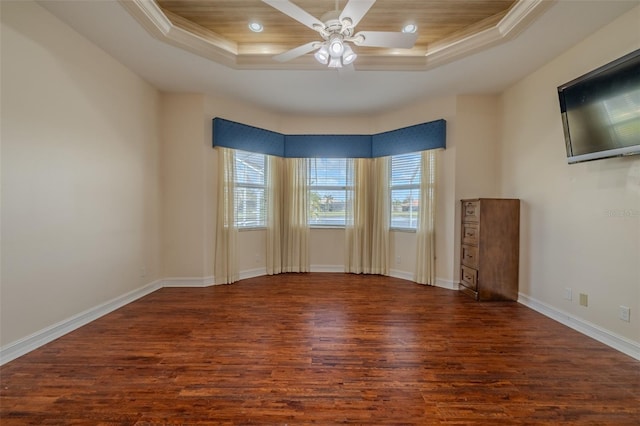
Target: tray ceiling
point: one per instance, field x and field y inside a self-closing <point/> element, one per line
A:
<point x="447" y="29"/>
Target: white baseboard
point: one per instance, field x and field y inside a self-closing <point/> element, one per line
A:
<point x="440" y="282"/>
<point x="328" y="268"/>
<point x="252" y="273"/>
<point x="403" y="275"/>
<point x="448" y="284"/>
<point x="188" y="282"/>
<point x="609" y="338"/>
<point x="27" y="344"/>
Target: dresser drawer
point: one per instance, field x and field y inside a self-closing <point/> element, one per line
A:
<point x="470" y="233"/>
<point x="469" y="277"/>
<point x="470" y="256"/>
<point x="471" y="211"/>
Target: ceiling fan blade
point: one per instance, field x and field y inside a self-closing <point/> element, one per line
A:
<point x="296" y="13"/>
<point x="297" y="51"/>
<point x="356" y="9"/>
<point x="386" y="39"/>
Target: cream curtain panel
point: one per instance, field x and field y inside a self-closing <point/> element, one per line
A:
<point x="275" y="166"/>
<point x="367" y="228"/>
<point x="287" y="213"/>
<point x="226" y="265"/>
<point x="426" y="248"/>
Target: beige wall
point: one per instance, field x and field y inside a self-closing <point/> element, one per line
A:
<point x="80" y="174"/>
<point x="469" y="167"/>
<point x="348" y="125"/>
<point x="477" y="153"/>
<point x="472" y="174"/>
<point x="183" y="185"/>
<point x="575" y="229"/>
<point x="251" y="244"/>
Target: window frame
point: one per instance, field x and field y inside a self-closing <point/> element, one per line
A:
<point x="405" y="186"/>
<point x="261" y="215"/>
<point x="319" y="188"/>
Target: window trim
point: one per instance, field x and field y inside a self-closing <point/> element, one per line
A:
<point x="404" y="186"/>
<point x="250" y="185"/>
<point x="318" y="188"/>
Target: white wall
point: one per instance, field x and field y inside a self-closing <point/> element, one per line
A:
<point x="80" y="174"/>
<point x="581" y="222"/>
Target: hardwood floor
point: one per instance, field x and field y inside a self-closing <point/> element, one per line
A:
<point x="321" y="349"/>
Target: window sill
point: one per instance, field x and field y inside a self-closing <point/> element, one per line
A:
<point x="406" y="230"/>
<point x="263" y="228"/>
<point x="253" y="228"/>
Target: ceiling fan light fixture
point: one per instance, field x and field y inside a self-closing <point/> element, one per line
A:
<point x="338" y="33"/>
<point x="349" y="55"/>
<point x="322" y="55"/>
<point x="256" y="27"/>
<point x="335" y="62"/>
<point x="336" y="46"/>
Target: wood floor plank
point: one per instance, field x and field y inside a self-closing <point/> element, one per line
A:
<point x="321" y="349"/>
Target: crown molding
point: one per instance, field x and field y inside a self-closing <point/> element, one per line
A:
<point x="519" y="17"/>
<point x="180" y="32"/>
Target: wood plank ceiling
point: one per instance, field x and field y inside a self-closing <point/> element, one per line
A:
<point x="439" y="22"/>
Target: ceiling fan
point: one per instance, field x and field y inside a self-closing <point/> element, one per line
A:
<point x="337" y="31"/>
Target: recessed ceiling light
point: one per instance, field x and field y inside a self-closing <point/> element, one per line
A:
<point x="256" y="27"/>
<point x="410" y="28"/>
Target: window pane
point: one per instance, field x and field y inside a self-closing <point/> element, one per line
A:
<point x="327" y="191"/>
<point x="250" y="190"/>
<point x="405" y="190"/>
<point x="327" y="172"/>
<point x="250" y="168"/>
<point x="405" y="204"/>
<point x="250" y="207"/>
<point x="328" y="207"/>
<point x="405" y="169"/>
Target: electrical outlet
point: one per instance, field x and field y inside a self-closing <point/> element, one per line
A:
<point x="567" y="293"/>
<point x="625" y="313"/>
<point x="584" y="299"/>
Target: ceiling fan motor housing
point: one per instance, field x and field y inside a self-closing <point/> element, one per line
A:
<point x="333" y="25"/>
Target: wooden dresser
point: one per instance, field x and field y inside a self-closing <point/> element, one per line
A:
<point x="490" y="248"/>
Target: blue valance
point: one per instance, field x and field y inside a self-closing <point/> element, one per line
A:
<point x="420" y="137"/>
<point x="230" y="134"/>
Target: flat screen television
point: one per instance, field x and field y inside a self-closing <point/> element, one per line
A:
<point x="601" y="111"/>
